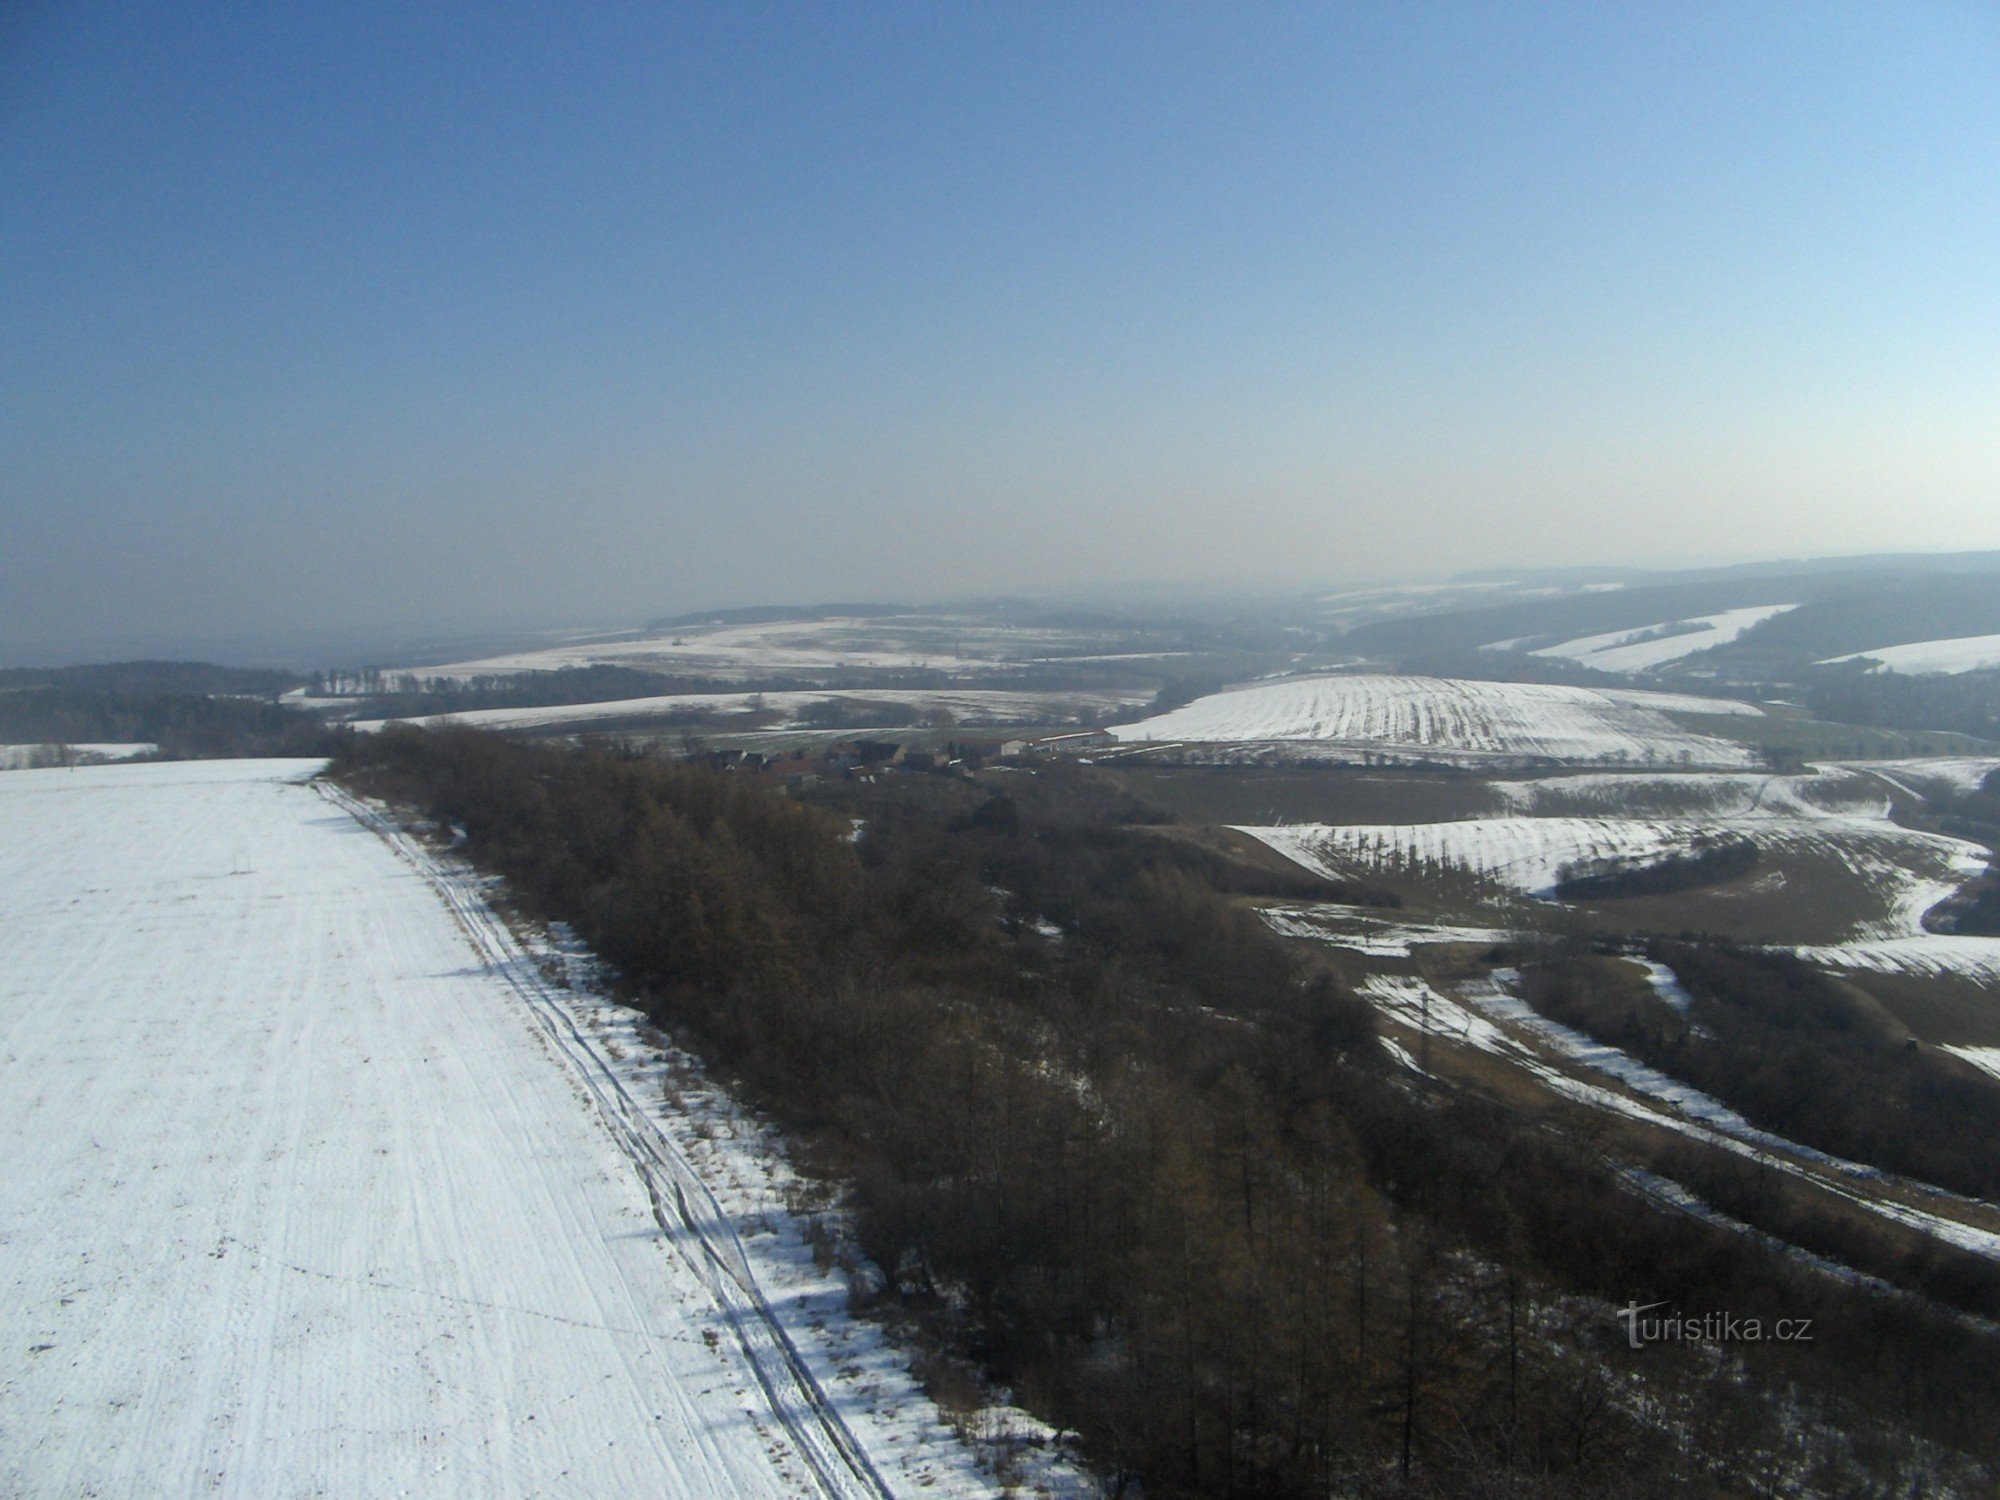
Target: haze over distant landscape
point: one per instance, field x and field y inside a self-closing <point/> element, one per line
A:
<point x="328" y="332"/>
<point x="940" y="752"/>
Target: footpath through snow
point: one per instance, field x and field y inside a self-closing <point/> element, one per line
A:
<point x="309" y="1184"/>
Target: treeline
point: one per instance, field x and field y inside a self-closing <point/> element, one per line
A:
<point x="1707" y="862"/>
<point x="1974" y="911"/>
<point x="189" y="709"/>
<point x="1792" y="1051"/>
<point x="152" y="679"/>
<point x="412" y="694"/>
<point x="400" y="694"/>
<point x="181" y="725"/>
<point x="1869" y="613"/>
<point x="1959" y="702"/>
<point x="1139" y="1159"/>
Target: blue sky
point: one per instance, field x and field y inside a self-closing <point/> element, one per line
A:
<point x="336" y="318"/>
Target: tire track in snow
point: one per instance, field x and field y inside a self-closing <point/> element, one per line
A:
<point x="679" y="1196"/>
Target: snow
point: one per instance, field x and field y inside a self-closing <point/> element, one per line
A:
<point x="1935" y="955"/>
<point x="1821" y="792"/>
<point x="1647" y="1082"/>
<point x="1657" y="1099"/>
<point x="1666" y="984"/>
<point x="1444" y="714"/>
<point x="1631" y="651"/>
<point x="763" y="647"/>
<point x="966" y="705"/>
<point x="23" y="757"/>
<point x="1482" y="1014"/>
<point x="1911" y="870"/>
<point x="1965" y="653"/>
<point x="312" y="1184"/>
<point x="1985" y="1058"/>
<point x="1347" y="927"/>
<point x="1422" y="1008"/>
<point x="1953" y="773"/>
<point x="1521" y="854"/>
<point x="1400" y="1053"/>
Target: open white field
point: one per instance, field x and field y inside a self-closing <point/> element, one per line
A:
<point x="1822" y="792"/>
<point x="1524" y="855"/>
<point x="1829" y="827"/>
<point x="1649" y="646"/>
<point x="968" y="706"/>
<point x="743" y="650"/>
<point x="1965" y="653"/>
<point x="1499" y="719"/>
<point x="299" y="1193"/>
<point x="1961" y="773"/>
<point x="1909" y="871"/>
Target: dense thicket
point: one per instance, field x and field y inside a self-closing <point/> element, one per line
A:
<point x="1871" y="613"/>
<point x="187" y="708"/>
<point x="1136" y="1156"/>
<point x="1975" y="910"/>
<point x="152" y="679"/>
<point x="1962" y="702"/>
<point x="180" y="725"/>
<point x="1796" y="1053"/>
<point x="412" y="694"/>
<point x="398" y="694"/>
<point x="1708" y="863"/>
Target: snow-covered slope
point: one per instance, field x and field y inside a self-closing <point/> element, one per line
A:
<point x="1445" y="714"/>
<point x="1522" y="854"/>
<point x="969" y="706"/>
<point x="304" y="1191"/>
<point x="1951" y="773"/>
<point x="1966" y="653"/>
<point x="1911" y="870"/>
<point x="756" y="648"/>
<point x="1641" y="649"/>
<point x="1833" y="817"/>
<point x="1825" y="791"/>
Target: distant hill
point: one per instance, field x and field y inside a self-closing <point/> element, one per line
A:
<point x="188" y="709"/>
<point x="198" y="678"/>
<point x="1844" y="605"/>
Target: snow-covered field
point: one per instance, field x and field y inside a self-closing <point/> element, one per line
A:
<point x="759" y="648"/>
<point x="1935" y="955"/>
<point x="1347" y="927"/>
<point x="1986" y="1058"/>
<point x="1949" y="773"/>
<point x="1965" y="653"/>
<point x="1640" y="649"/>
<point x="1913" y="871"/>
<point x="1504" y="719"/>
<point x="969" y="706"/>
<point x="1835" y="816"/>
<point x="1521" y="854"/>
<point x="309" y="1184"/>
<point x="1818" y="793"/>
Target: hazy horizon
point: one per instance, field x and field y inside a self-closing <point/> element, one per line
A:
<point x="397" y="324"/>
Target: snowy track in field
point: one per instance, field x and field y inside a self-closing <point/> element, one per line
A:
<point x="684" y="1208"/>
<point x="300" y="1194"/>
